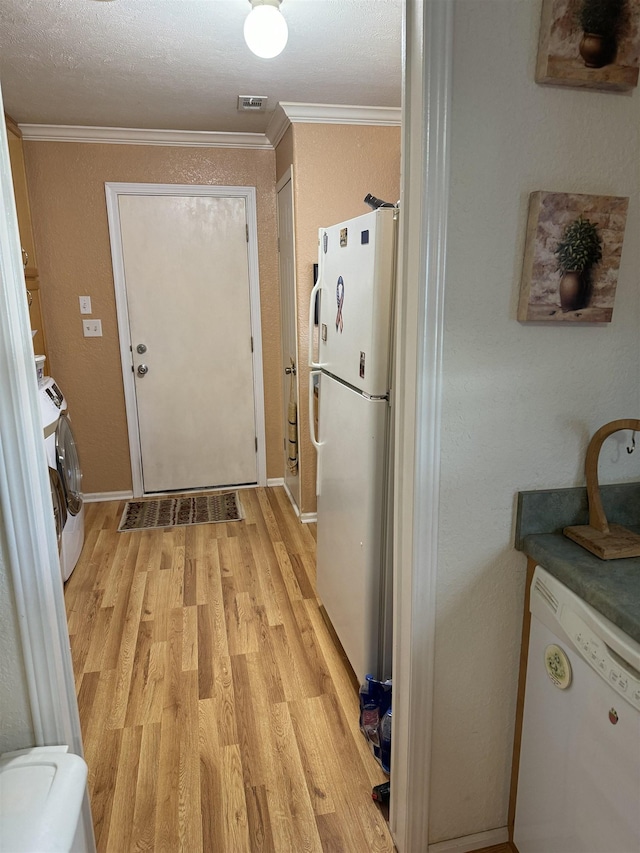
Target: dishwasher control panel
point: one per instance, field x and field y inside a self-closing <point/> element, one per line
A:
<point x="620" y="674"/>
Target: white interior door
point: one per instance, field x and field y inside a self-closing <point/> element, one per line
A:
<point x="185" y="269"/>
<point x="288" y="310"/>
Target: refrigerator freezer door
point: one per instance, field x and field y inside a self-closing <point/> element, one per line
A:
<point x="351" y="506"/>
<point x="356" y="275"/>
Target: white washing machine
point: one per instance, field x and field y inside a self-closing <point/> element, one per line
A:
<point x="64" y="473"/>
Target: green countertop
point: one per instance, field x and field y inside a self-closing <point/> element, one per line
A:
<point x="612" y="587"/>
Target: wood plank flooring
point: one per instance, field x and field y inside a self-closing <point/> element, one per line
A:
<point x="217" y="712"/>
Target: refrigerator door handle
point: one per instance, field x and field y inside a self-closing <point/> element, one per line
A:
<point x="314" y="365"/>
<point x="312" y="424"/>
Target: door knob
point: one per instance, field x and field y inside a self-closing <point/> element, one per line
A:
<point x="141" y="348"/>
<point x="142" y="369"/>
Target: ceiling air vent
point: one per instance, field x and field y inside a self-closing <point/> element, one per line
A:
<point x="252" y="103"/>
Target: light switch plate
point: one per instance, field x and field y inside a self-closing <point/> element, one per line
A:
<point x="85" y="304"/>
<point x="92" y="328"/>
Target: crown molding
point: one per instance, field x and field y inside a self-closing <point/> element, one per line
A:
<point x="341" y="114"/>
<point x="288" y="113"/>
<point x="285" y="114"/>
<point x="278" y="125"/>
<point x="143" y="136"/>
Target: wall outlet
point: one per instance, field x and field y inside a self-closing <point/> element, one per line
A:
<point x="85" y="304"/>
<point x="92" y="328"/>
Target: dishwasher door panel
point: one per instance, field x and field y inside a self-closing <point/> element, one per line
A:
<point x="579" y="776"/>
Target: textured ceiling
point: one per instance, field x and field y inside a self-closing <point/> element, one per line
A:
<point x="180" y="64"/>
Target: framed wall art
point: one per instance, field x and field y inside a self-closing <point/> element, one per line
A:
<point x="572" y="256"/>
<point x="589" y="43"/>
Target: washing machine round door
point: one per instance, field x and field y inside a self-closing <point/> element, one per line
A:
<point x="69" y="464"/>
<point x="59" y="504"/>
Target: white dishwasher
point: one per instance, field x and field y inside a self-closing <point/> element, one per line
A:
<point x="579" y="776"/>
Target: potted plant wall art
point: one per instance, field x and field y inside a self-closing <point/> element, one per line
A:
<point x="601" y="22"/>
<point x="578" y="251"/>
<point x="572" y="256"/>
<point x="589" y="43"/>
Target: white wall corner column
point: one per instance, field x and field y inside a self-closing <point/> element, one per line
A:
<point x="25" y="508"/>
<point x="428" y="36"/>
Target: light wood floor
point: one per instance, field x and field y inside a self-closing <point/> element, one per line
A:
<point x="217" y="713"/>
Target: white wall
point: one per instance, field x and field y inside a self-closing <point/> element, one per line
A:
<point x="16" y="729"/>
<point x="520" y="401"/>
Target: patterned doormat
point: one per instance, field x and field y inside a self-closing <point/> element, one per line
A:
<point x="169" y="512"/>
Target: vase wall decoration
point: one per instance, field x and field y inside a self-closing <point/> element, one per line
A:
<point x="572" y="256"/>
<point x="589" y="43"/>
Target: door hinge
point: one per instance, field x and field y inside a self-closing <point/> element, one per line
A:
<point x="278" y="244"/>
<point x="256" y="444"/>
<point x="246" y="228"/>
<point x="251" y="343"/>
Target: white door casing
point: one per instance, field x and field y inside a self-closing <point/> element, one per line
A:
<point x="27" y="527"/>
<point x="288" y="315"/>
<point x="186" y="284"/>
<point x="427" y="93"/>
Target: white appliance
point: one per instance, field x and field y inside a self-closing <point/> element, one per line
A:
<point x="579" y="776"/>
<point x="41" y="793"/>
<point x="65" y="474"/>
<point x="356" y="273"/>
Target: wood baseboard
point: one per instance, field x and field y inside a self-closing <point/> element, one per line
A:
<point x="492" y="841"/>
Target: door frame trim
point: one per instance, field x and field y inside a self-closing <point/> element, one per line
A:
<point x="287" y="177"/>
<point x="426" y="165"/>
<point x="112" y="192"/>
<point x="29" y="560"/>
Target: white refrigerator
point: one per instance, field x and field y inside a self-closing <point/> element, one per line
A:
<point x="356" y="275"/>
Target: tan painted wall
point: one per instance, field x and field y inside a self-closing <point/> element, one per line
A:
<point x="66" y="187"/>
<point x="284" y="153"/>
<point x="335" y="166"/>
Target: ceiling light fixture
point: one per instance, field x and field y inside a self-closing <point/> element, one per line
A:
<point x="265" y="30"/>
